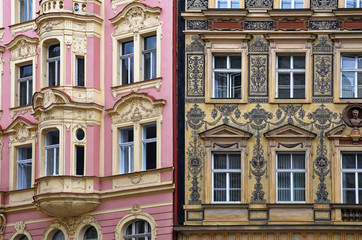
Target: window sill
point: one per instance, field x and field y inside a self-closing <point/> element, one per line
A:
<point x="290" y="100"/>
<point x="135" y="87"/>
<point x="348" y="100"/>
<point x="226" y="100"/>
<point x="23" y="27"/>
<point x="21" y="110"/>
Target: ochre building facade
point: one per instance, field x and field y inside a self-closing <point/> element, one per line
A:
<point x="272" y="110"/>
<point x="86" y="119"/>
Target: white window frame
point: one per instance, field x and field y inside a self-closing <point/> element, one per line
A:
<point x="124" y="57"/>
<point x="227" y="171"/>
<point x="28" y="9"/>
<point x="228" y="2"/>
<point x="56" y="154"/>
<point x="355" y="70"/>
<point x="27" y="80"/>
<point x="21" y="179"/>
<point x="292" y="3"/>
<point x="229" y="71"/>
<point x="359" y="4"/>
<point x="292" y="172"/>
<point x="130" y="147"/>
<point x="291" y="71"/>
<point x="57" y="69"/>
<point x="349" y="170"/>
<point x="147" y="235"/>
<point x="144" y="143"/>
<point x="152" y="52"/>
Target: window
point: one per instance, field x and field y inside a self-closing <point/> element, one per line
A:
<point x="351" y="178"/>
<point x="290" y="77"/>
<point x="227" y="3"/>
<point x="353" y="3"/>
<point x="149" y="57"/>
<point x="149" y="141"/>
<point x="53" y="65"/>
<point x="58" y="235"/>
<point x="24" y="167"/>
<point x="351" y="76"/>
<point x="23" y="237"/>
<point x="80" y="72"/>
<point x="226" y="76"/>
<point x="292" y="4"/>
<point x="25" y="85"/>
<point x="90" y="234"/>
<point x="79" y="160"/>
<point x="126" y="150"/>
<point x="25" y="10"/>
<point x="291" y="177"/>
<point x="138" y="229"/>
<point x="52" y="152"/>
<point x="226" y="177"/>
<point x="127" y="62"/>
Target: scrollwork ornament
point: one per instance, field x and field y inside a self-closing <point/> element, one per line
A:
<point x="20" y="227"/>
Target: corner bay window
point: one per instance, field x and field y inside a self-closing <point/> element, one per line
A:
<point x="52" y="152"/>
<point x="226" y="76"/>
<point x="127" y="62"/>
<point x="24" y="167"/>
<point x="53" y="65"/>
<point x="227" y="3"/>
<point x="291" y="177"/>
<point x="149" y="57"/>
<point x="226" y="177"/>
<point x="290" y="77"/>
<point x="351" y="76"/>
<point x="25" y="85"/>
<point x="351" y="178"/>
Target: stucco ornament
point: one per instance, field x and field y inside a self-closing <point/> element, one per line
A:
<point x="80" y="44"/>
<point x="49" y="98"/>
<point x="22" y="133"/>
<point x="2" y="224"/>
<point x="22" y="47"/>
<point x="20" y="227"/>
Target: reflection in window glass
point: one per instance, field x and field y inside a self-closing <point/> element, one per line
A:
<point x="351" y="76"/>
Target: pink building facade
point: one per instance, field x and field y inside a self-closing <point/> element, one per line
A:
<point x="87" y="119"/>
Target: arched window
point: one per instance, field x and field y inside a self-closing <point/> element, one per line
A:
<point x="90" y="234"/>
<point x="53" y="65"/>
<point x="138" y="230"/>
<point x="23" y="237"/>
<point x="58" y="235"/>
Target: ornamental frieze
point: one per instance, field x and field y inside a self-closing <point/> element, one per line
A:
<point x="256" y="4"/>
<point x="226" y="25"/>
<point x="195" y="75"/>
<point x="197" y="25"/>
<point x="323" y="25"/>
<point x="196" y="45"/>
<point x="351" y="24"/>
<point x="323" y="5"/>
<point x="291" y="24"/>
<point x="258" y="25"/>
<point x="197" y="4"/>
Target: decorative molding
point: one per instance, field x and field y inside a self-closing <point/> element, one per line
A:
<point x="291" y="24"/>
<point x="21" y="111"/>
<point x="197" y="4"/>
<point x="226" y="25"/>
<point x="195" y="75"/>
<point x="323" y="5"/>
<point x="22" y="47"/>
<point x="258" y="75"/>
<point x="195" y="100"/>
<point x="135" y="107"/>
<point x="196" y="45"/>
<point x="79" y="45"/>
<point x="197" y="24"/>
<point x="117" y="3"/>
<point x="135" y="87"/>
<point x="258" y="100"/>
<point x="258" y="44"/>
<point x="23" y="27"/>
<point x="259" y="4"/>
<point x="258" y="25"/>
<point x="21" y="130"/>
<point x="136" y="17"/>
<point x="322" y="75"/>
<point x="20" y="229"/>
<point x="351" y="24"/>
<point x="324" y="45"/>
<point x="323" y="25"/>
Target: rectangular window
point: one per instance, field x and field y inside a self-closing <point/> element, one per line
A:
<point x="226" y="177"/>
<point x="25" y="10"/>
<point x="52" y="153"/>
<point x="25" y="85"/>
<point x="288" y="4"/>
<point x="80" y="70"/>
<point x="290" y="77"/>
<point x="149" y="57"/>
<point x="53" y="65"/>
<point x="149" y="141"/>
<point x="127" y="62"/>
<point x="227" y="4"/>
<point x="351" y="178"/>
<point x="291" y="177"/>
<point x="126" y="150"/>
<point x="353" y="3"/>
<point x="79" y="160"/>
<point x="226" y="77"/>
<point x="24" y="167"/>
<point x="351" y="76"/>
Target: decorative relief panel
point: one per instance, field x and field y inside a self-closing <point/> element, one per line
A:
<point x="291" y="24"/>
<point x="258" y="45"/>
<point x="226" y="25"/>
<point x="196" y="45"/>
<point x="323" y="4"/>
<point x="197" y="4"/>
<point x="351" y="24"/>
<point x="258" y="25"/>
<point x="195" y="75"/>
<point x="323" y="25"/>
<point x="117" y="3"/>
<point x="258" y="75"/>
<point x="22" y="47"/>
<point x="21" y="130"/>
<point x="80" y="44"/>
<point x="197" y="25"/>
<point x="263" y="4"/>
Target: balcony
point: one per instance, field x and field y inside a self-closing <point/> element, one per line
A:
<point x="48" y="6"/>
<point x="65" y="196"/>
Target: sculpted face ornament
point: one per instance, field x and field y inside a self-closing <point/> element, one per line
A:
<point x="352" y="117"/>
<point x="355" y="120"/>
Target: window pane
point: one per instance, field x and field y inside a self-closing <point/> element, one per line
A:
<point x="150" y="42"/>
<point x="219" y="180"/>
<point x="50" y="161"/>
<point x="52" y="138"/>
<point x="51" y="74"/>
<point x="80" y="71"/>
<point x="284" y="161"/>
<point x="348" y="180"/>
<point x="298" y="161"/>
<point x="236" y="85"/>
<point x="30" y="92"/>
<point x="24" y="153"/>
<point x="348" y="79"/>
<point x="79" y="155"/>
<point x="220" y="85"/>
<point x="283" y="85"/>
<point x="283" y="62"/>
<point x="299" y="195"/>
<point x="298" y="4"/>
<point x="299" y="85"/>
<point x="127" y="48"/>
<point x="26" y="71"/>
<point x="284" y="195"/>
<point x="23" y="238"/>
<point x="235" y="195"/>
<point x="54" y="51"/>
<point x="235" y="180"/>
<point x="283" y="180"/>
<point x="349" y="196"/>
<point x="220" y="62"/>
<point x="234" y="161"/>
<point x="234" y="3"/>
<point x="59" y="235"/>
<point x="360" y="183"/>
<point x="299" y="180"/>
<point x="348" y="62"/>
<point x="219" y="161"/>
<point x="23" y="93"/>
<point x="359" y="161"/>
<point x="151" y="155"/>
<point x="126" y="153"/>
<point x="139" y="227"/>
<point x="359" y="62"/>
<point x="349" y="161"/>
<point x="222" y="4"/>
<point x="220" y="195"/>
<point x="351" y="3"/>
<point x="147" y="66"/>
<point x="90" y="234"/>
<point x="235" y="62"/>
<point x="126" y="135"/>
<point x="298" y="62"/>
<point x="286" y="4"/>
<point x="150" y="131"/>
